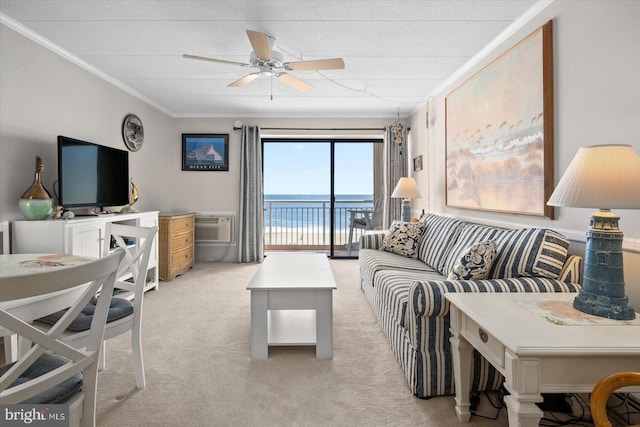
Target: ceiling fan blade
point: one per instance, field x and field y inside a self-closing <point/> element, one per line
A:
<point x="221" y="61"/>
<point x="244" y="80"/>
<point x="260" y="44"/>
<point x="318" y="64"/>
<point x="295" y="82"/>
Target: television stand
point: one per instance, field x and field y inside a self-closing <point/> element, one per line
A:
<point x="83" y="236"/>
<point x="91" y="213"/>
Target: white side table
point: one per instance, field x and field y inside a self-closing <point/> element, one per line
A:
<point x="536" y="355"/>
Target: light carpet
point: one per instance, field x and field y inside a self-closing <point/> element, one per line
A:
<point x="199" y="371"/>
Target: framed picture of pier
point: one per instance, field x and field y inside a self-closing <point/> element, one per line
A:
<point x="205" y="152"/>
<point x="499" y="132"/>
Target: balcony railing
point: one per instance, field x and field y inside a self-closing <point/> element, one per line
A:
<point x="305" y="224"/>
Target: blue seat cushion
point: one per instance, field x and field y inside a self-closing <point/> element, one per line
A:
<point x="118" y="309"/>
<point x="47" y="363"/>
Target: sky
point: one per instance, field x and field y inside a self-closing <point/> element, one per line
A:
<point x="305" y="168"/>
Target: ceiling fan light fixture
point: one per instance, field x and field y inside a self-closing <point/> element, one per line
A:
<point x="274" y="62"/>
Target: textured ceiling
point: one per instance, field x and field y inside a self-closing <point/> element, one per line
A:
<point x="396" y="52"/>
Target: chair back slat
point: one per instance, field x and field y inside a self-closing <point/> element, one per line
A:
<point x="136" y="259"/>
<point x="97" y="275"/>
<point x="6" y="238"/>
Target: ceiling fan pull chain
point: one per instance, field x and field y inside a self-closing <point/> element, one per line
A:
<point x="271" y="86"/>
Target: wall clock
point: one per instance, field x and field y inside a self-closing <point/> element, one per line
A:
<point x="132" y="132"/>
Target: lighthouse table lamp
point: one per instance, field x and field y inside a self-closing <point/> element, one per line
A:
<point x="604" y="177"/>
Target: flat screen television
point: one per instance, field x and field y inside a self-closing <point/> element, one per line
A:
<point x="91" y="175"/>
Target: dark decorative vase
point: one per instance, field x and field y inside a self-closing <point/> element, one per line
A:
<point x="36" y="202"/>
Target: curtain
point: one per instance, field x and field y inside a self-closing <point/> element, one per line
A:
<point x="378" y="174"/>
<point x="395" y="167"/>
<point x="251" y="245"/>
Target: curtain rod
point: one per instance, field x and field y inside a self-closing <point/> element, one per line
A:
<point x="238" y="128"/>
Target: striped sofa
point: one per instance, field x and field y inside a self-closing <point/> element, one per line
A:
<point x="407" y="294"/>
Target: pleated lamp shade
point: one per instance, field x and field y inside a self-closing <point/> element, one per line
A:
<point x="406" y="189"/>
<point x="600" y="176"/>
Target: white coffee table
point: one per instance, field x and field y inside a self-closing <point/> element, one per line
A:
<point x="534" y="350"/>
<point x="292" y="303"/>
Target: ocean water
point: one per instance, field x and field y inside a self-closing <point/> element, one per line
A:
<point x="311" y="211"/>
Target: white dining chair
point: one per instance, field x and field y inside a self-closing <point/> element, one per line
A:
<point x="64" y="374"/>
<point x="124" y="315"/>
<point x="10" y="340"/>
<point x="4" y="229"/>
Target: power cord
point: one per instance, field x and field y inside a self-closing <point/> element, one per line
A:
<point x="555" y="418"/>
<point x="495" y="399"/>
<point x="623" y="411"/>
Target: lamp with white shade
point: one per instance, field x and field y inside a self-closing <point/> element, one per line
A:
<point x="406" y="189"/>
<point x="603" y="177"/>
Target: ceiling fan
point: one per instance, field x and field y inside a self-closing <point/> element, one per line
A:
<point x="269" y="62"/>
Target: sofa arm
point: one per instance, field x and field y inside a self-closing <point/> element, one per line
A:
<point x="372" y="240"/>
<point x="427" y="297"/>
<point x="428" y="309"/>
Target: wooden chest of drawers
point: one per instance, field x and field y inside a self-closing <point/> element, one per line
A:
<point x="175" y="244"/>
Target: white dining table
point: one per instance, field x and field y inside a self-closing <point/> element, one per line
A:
<point x="41" y="303"/>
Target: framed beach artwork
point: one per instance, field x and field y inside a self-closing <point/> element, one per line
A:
<point x="205" y="152"/>
<point x="499" y="132"/>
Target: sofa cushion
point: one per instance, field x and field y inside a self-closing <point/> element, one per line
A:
<point x="530" y="252"/>
<point x="476" y="263"/>
<point x="469" y="236"/>
<point x="437" y="239"/>
<point x="403" y="238"/>
<point x="392" y="288"/>
<point x="372" y="261"/>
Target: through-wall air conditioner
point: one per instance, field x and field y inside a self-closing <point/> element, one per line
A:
<point x="214" y="227"/>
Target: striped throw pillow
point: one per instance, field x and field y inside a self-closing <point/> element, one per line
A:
<point x="530" y="252"/>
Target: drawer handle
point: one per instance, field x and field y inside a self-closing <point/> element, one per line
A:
<point x="483" y="335"/>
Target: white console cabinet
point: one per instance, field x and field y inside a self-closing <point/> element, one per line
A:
<point x="81" y="236"/>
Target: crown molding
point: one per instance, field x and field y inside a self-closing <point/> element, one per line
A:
<point x="48" y="44"/>
<point x="494" y="44"/>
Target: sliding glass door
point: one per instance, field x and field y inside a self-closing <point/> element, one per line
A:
<point x="320" y="195"/>
<point x="297" y="189"/>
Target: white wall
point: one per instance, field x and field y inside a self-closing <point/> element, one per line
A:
<point x="597" y="101"/>
<point x="220" y="191"/>
<point x="44" y="95"/>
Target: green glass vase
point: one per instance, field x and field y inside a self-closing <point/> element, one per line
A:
<point x="36" y="203"/>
